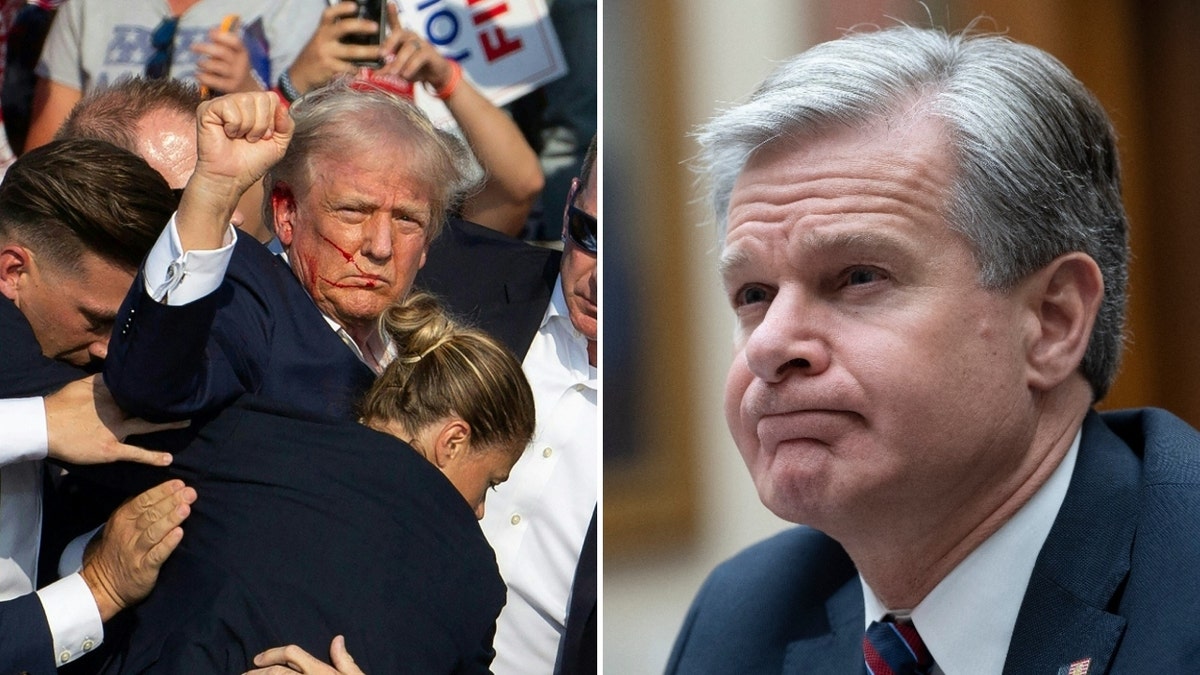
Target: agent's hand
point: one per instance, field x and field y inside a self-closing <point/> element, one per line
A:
<point x="85" y="426"/>
<point x="223" y="65"/>
<point x="292" y="659"/>
<point x="325" y="56"/>
<point x="121" y="564"/>
<point x="239" y="137"/>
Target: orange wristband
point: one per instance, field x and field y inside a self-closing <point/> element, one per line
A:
<point x="447" y="89"/>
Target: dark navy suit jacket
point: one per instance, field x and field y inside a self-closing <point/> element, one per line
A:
<point x="25" y="641"/>
<point x="491" y="280"/>
<point x="282" y="549"/>
<point x="258" y="333"/>
<point x="1115" y="582"/>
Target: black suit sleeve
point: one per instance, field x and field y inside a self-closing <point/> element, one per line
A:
<point x="25" y="642"/>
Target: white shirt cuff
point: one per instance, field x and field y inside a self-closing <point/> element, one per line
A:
<point x="24" y="423"/>
<point x="74" y="619"/>
<point x="177" y="278"/>
<point x="71" y="560"/>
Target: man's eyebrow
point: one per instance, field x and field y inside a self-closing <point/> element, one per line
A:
<point x="733" y="261"/>
<point x="98" y="315"/>
<point x="868" y="241"/>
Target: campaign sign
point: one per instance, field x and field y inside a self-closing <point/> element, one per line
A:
<point x="507" y="48"/>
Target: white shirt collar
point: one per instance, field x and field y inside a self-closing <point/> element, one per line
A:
<point x="380" y="342"/>
<point x="967" y="620"/>
<point x="558" y="320"/>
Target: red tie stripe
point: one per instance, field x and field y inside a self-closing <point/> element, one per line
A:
<point x="890" y="648"/>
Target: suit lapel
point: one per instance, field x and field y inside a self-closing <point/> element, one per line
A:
<point x="837" y="650"/>
<point x="1083" y="565"/>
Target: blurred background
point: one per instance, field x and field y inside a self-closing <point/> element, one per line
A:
<point x="677" y="499"/>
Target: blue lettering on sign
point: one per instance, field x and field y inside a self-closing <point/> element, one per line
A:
<point x="441" y="29"/>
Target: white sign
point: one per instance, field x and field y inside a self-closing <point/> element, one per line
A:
<point x="507" y="48"/>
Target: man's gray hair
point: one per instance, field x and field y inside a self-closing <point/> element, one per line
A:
<point x="346" y="117"/>
<point x="1037" y="160"/>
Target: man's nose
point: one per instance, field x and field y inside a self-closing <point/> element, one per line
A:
<point x="479" y="511"/>
<point x="377" y="238"/>
<point x="791" y="339"/>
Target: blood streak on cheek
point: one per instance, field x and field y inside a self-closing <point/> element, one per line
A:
<point x="339" y="285"/>
<point x="345" y="254"/>
<point x="350" y="259"/>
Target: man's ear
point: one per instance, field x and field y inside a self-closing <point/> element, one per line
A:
<point x="15" y="261"/>
<point x="283" y="210"/>
<point x="1065" y="297"/>
<point x="452" y="442"/>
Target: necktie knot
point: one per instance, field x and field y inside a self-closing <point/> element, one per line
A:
<point x="891" y="648"/>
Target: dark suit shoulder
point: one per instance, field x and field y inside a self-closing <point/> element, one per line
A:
<point x="1169" y="447"/>
<point x="470" y="265"/>
<point x="798" y="585"/>
<point x="1158" y="597"/>
<point x="495" y="282"/>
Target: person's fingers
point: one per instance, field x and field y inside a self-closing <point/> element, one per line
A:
<point x="263" y="119"/>
<point x="334" y="13"/>
<point x="226" y="42"/>
<point x="156" y="524"/>
<point x="393" y="16"/>
<point x="291" y="656"/>
<point x="353" y="26"/>
<point x="132" y="453"/>
<point x="212" y="50"/>
<point x="160" y="551"/>
<point x="247" y="115"/>
<point x="410" y="58"/>
<point x="283" y="123"/>
<point x="156" y="494"/>
<point x="341" y="657"/>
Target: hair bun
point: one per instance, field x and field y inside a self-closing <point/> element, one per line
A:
<point x="418" y="326"/>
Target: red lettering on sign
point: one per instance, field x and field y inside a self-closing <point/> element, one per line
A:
<point x="497" y="45"/>
<point x="489" y="14"/>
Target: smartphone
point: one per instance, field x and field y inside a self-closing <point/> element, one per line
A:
<point x="374" y="10"/>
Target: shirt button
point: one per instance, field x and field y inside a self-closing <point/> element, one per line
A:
<point x="88" y="644"/>
<point x="580" y="387"/>
<point x="547" y="452"/>
<point x="65" y="656"/>
<point x="516" y="519"/>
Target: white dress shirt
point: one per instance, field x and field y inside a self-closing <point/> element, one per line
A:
<point x="967" y="620"/>
<point x="70" y="608"/>
<point x="537" y="520"/>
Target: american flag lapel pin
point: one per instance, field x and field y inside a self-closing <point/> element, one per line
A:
<point x="1079" y="667"/>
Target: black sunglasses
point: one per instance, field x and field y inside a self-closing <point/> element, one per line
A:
<point x="163" y="42"/>
<point x="580" y="225"/>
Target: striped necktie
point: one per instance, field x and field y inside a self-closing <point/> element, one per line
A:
<point x="895" y="649"/>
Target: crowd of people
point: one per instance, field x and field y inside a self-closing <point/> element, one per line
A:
<point x="305" y="304"/>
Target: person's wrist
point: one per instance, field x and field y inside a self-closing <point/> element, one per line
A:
<point x="108" y="603"/>
<point x="449" y="83"/>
